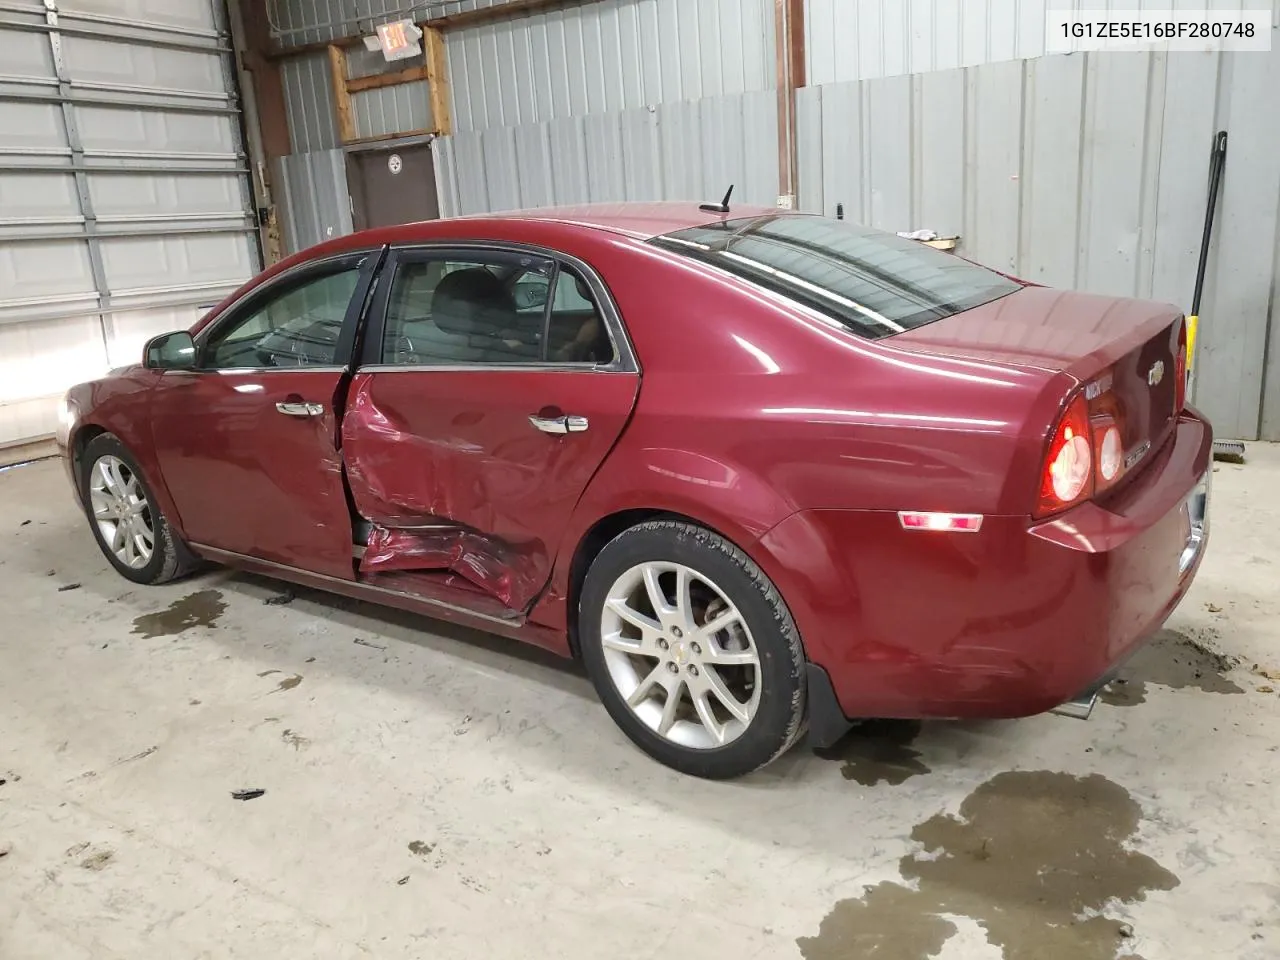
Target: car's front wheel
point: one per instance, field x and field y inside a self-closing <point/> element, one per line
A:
<point x="692" y="650"/>
<point x="126" y="521"/>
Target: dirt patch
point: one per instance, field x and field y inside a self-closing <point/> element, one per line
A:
<point x="1171" y="659"/>
<point x="200" y="609"/>
<point x="1034" y="857"/>
<point x="878" y="751"/>
<point x="295" y="740"/>
<point x="288" y="683"/>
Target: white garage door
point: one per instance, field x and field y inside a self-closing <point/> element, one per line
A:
<point x="124" y="203"/>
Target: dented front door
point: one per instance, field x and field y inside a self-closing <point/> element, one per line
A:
<point x="477" y="471"/>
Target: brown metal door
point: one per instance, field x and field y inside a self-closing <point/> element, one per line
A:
<point x="396" y="185"/>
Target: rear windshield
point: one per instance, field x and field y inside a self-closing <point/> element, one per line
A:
<point x="875" y="283"/>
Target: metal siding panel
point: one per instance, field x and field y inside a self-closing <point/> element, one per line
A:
<point x="888" y="130"/>
<point x="606" y="178"/>
<point x="681" y="150"/>
<point x="314" y="199"/>
<point x="446" y="170"/>
<point x="760" y="126"/>
<point x="568" y="160"/>
<point x="1235" y="332"/>
<point x="1051" y="200"/>
<point x="608" y="56"/>
<point x="724" y="146"/>
<point x="500" y="171"/>
<point x="309" y="103"/>
<point x="895" y="39"/>
<point x="995" y="163"/>
<point x="940" y="152"/>
<point x="473" y="194"/>
<point x="1111" y="228"/>
<point x="823" y="66"/>
<point x="869" y="41"/>
<point x="533" y="165"/>
<point x="1191" y="81"/>
<point x="641" y="146"/>
<point x="814" y="173"/>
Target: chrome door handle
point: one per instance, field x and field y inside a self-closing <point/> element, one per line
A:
<point x="558" y="425"/>
<point x="301" y="409"/>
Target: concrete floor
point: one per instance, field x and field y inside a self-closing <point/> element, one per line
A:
<point x="431" y="792"/>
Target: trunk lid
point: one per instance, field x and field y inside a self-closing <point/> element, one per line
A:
<point x="1127" y="348"/>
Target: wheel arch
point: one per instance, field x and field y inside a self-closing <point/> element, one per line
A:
<point x="609" y="526"/>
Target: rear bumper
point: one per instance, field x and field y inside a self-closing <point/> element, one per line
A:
<point x="1011" y="621"/>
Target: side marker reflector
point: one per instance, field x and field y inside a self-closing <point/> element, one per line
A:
<point x="943" y="522"/>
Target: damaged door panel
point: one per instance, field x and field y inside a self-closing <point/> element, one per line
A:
<point x="454" y="472"/>
<point x="247" y="439"/>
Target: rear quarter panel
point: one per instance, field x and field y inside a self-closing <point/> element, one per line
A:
<point x="751" y="410"/>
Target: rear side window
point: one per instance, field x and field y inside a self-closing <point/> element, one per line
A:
<point x="875" y="283"/>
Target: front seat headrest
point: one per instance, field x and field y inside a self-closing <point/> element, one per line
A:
<point x="472" y="302"/>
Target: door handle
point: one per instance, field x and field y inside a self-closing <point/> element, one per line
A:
<point x="558" y="425"/>
<point x="300" y="409"/>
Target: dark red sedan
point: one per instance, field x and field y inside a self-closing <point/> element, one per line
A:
<point x="761" y="472"/>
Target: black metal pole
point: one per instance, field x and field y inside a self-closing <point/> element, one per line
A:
<point x="1216" y="162"/>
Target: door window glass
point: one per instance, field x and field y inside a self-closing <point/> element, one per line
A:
<point x="452" y="310"/>
<point x="296" y="327"/>
<point x="576" y="331"/>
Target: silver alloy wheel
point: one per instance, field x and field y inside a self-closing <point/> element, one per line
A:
<point x="681" y="655"/>
<point x="121" y="512"/>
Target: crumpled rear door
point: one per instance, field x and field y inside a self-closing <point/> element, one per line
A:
<point x="454" y="475"/>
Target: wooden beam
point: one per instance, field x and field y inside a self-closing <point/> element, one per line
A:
<point x="403" y="135"/>
<point x="795" y="41"/>
<point x="341" y="96"/>
<point x="379" y="80"/>
<point x="438" y="81"/>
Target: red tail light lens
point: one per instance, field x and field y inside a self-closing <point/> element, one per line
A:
<point x="1180" y="371"/>
<point x="1067" y="476"/>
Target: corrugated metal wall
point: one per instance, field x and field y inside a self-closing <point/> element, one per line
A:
<point x="864" y="39"/>
<point x="314" y="197"/>
<point x="123" y="196"/>
<point x="610" y="55"/>
<point x="676" y="151"/>
<point x="1086" y="171"/>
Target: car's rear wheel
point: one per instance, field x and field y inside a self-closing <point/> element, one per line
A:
<point x="126" y="521"/>
<point x="692" y="650"/>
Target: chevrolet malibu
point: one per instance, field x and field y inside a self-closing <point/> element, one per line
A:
<point x="762" y="473"/>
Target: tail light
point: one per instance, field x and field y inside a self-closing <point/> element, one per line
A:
<point x="1067" y="476"/>
<point x="1180" y="371"/>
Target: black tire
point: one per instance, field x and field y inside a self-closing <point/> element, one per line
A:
<point x="170" y="557"/>
<point x="779" y="718"/>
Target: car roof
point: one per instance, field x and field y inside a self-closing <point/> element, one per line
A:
<point x="642" y="221"/>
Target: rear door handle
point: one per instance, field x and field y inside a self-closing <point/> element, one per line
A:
<point x="300" y="409"/>
<point x="557" y="425"/>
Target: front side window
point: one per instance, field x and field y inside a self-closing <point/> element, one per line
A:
<point x="454" y="309"/>
<point x="875" y="283"/>
<point x="297" y="326"/>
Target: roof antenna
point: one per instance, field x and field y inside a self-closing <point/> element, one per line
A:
<point x="722" y="206"/>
